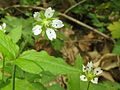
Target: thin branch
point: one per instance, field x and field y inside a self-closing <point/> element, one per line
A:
<point x="67" y="17"/>
<point x="74" y="6"/>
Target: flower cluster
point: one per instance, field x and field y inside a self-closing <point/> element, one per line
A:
<point x="46" y="24"/>
<point x="2" y="27"/>
<point x="90" y="73"/>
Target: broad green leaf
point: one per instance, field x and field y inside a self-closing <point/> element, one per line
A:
<point x="74" y="81"/>
<point x="15" y="34"/>
<point x="24" y="85"/>
<point x="115" y="29"/>
<point x="35" y="62"/>
<point x="47" y="77"/>
<point x="116" y="48"/>
<point x="7" y="47"/>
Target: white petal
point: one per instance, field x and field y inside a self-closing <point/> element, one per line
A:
<point x="83" y="78"/>
<point x="51" y="34"/>
<point x="37" y="29"/>
<point x="1" y="28"/>
<point x="4" y="25"/>
<point x="94" y="80"/>
<point x="49" y="12"/>
<point x="89" y="66"/>
<point x="84" y="68"/>
<point x="36" y="16"/>
<point x="97" y="71"/>
<point x="57" y="23"/>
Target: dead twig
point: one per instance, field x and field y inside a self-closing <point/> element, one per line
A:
<point x="73" y="6"/>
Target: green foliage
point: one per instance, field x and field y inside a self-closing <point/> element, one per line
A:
<point x="41" y="61"/>
<point x="19" y="29"/>
<point x="36" y="70"/>
<point x="30" y="2"/>
<point x="100" y="86"/>
<point x="16" y="33"/>
<point x="24" y="85"/>
<point x="116" y="48"/>
<point x="57" y="44"/>
<point x="115" y="29"/>
<point x="9" y="49"/>
<point x="74" y="81"/>
<point x="79" y="62"/>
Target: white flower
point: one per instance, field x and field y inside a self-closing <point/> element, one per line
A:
<point x="2" y="27"/>
<point x="94" y="80"/>
<point x="89" y="66"/>
<point x="83" y="78"/>
<point x="90" y="73"/>
<point x="49" y="12"/>
<point x="51" y="33"/>
<point x="57" y="23"/>
<point x="97" y="71"/>
<point x="36" y="16"/>
<point x="37" y="29"/>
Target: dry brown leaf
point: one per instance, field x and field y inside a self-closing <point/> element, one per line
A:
<point x="107" y="62"/>
<point x="107" y="76"/>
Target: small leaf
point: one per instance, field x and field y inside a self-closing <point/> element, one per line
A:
<point x="7" y="47"/>
<point x="15" y="34"/>
<point x="115" y="29"/>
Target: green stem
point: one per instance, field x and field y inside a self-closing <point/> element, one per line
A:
<point x="14" y="67"/>
<point x="13" y="77"/>
<point x="3" y="69"/>
<point x="88" y="85"/>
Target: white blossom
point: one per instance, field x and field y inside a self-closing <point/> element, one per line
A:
<point x="47" y="22"/>
<point x="36" y="16"/>
<point x="37" y="29"/>
<point x="49" y="12"/>
<point x="83" y="78"/>
<point x="90" y="73"/>
<point x="51" y="34"/>
<point x="95" y="80"/>
<point x="89" y="66"/>
<point x="2" y="27"/>
<point x="57" y="23"/>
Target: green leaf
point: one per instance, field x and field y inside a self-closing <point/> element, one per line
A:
<point x="55" y="87"/>
<point x="116" y="48"/>
<point x="78" y="62"/>
<point x="57" y="44"/>
<point x="115" y="29"/>
<point x="74" y="81"/>
<point x="24" y="85"/>
<point x="35" y="62"/>
<point x="7" y="47"/>
<point x="16" y="33"/>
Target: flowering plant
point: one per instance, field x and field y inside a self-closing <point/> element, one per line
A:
<point x="46" y="23"/>
<point x="90" y="73"/>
